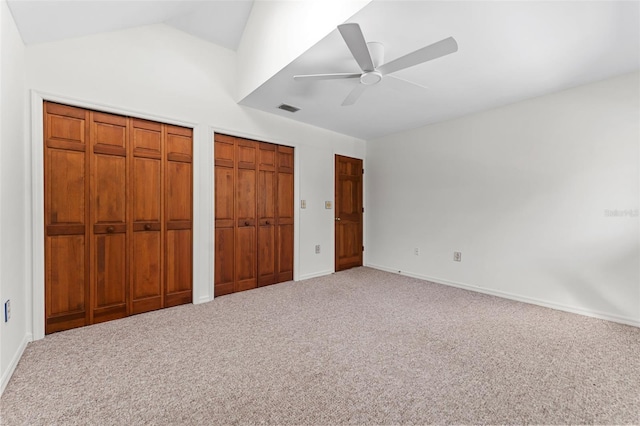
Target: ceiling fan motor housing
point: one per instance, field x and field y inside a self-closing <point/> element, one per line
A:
<point x="370" y="78"/>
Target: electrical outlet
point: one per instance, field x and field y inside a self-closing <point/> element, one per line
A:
<point x="317" y="248"/>
<point x="327" y="205"/>
<point x="457" y="256"/>
<point x="416" y="251"/>
<point x="7" y="310"/>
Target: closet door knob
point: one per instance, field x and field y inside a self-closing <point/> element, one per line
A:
<point x="268" y="223"/>
<point x="246" y="223"/>
<point x="337" y="218"/>
<point x="147" y="226"/>
<point x="110" y="229"/>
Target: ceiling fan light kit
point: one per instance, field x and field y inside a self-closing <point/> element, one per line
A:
<point x="370" y="58"/>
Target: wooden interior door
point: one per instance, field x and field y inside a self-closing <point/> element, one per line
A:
<point x="348" y="212"/>
<point x="284" y="212"/>
<point x="146" y="201"/>
<point x="178" y="215"/>
<point x="245" y="207"/>
<point x="66" y="182"/>
<point x="267" y="243"/>
<point x="108" y="204"/>
<point x="224" y="252"/>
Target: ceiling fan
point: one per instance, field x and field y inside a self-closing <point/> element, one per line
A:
<point x="370" y="56"/>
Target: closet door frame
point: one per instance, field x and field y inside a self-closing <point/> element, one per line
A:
<point x="202" y="272"/>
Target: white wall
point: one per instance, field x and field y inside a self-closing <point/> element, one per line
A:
<point x="14" y="192"/>
<point x="522" y="191"/>
<point x="277" y="32"/>
<point x="161" y="73"/>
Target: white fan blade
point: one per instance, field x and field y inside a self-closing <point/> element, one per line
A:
<point x="402" y="85"/>
<point x="427" y="53"/>
<point x="352" y="35"/>
<point x="333" y="76"/>
<point x="353" y="96"/>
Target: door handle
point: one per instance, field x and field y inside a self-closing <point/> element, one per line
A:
<point x="147" y="227"/>
<point x="110" y="229"/>
<point x="337" y="218"/>
<point x="246" y="223"/>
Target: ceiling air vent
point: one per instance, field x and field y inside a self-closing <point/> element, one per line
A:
<point x="289" y="108"/>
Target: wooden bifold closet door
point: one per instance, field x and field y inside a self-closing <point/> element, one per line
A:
<point x="253" y="214"/>
<point x="118" y="216"/>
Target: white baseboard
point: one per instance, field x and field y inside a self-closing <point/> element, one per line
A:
<point x="314" y="275"/>
<point x="14" y="362"/>
<point x="202" y="299"/>
<point x="506" y="295"/>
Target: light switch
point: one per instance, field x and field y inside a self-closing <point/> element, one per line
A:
<point x="303" y="204"/>
<point x="327" y="204"/>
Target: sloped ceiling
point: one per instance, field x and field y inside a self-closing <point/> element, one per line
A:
<point x="221" y="21"/>
<point x="508" y="52"/>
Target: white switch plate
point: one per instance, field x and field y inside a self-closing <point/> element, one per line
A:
<point x="327" y="204"/>
<point x="303" y="204"/>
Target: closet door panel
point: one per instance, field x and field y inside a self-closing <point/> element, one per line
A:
<point x="146" y="211"/>
<point x="146" y="255"/>
<point x="66" y="187"/>
<point x="179" y="143"/>
<point x="266" y="214"/>
<point x="224" y="253"/>
<point x="110" y="288"/>
<point x="246" y="195"/>
<point x="146" y="200"/>
<point x="110" y="190"/>
<point x="65" y="273"/>
<point x="109" y="132"/>
<point x="224" y="151"/>
<point x="224" y="261"/>
<point x="108" y="204"/>
<point x="146" y="138"/>
<point x="285" y="253"/>
<point x="65" y="127"/>
<point x="285" y="198"/>
<point x="65" y="276"/>
<point x="285" y="214"/>
<point x="245" y="258"/>
<point x="178" y="261"/>
<point x="179" y="180"/>
<point x="224" y="186"/>
<point x="245" y="215"/>
<point x="266" y="255"/>
<point x="178" y="215"/>
<point x="285" y="159"/>
<point x="66" y="183"/>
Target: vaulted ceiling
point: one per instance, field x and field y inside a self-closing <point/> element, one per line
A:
<point x="508" y="51"/>
<point x="220" y="21"/>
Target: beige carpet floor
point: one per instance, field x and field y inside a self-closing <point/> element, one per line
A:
<point x="357" y="347"/>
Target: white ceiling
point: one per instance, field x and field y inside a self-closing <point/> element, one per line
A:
<point x="508" y="51"/>
<point x="219" y="21"/>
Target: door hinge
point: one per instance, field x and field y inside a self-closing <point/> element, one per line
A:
<point x="362" y="171"/>
<point x="363" y="210"/>
<point x="362" y="248"/>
